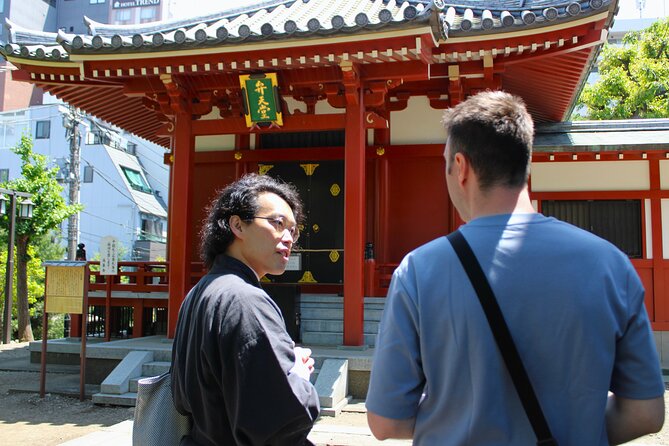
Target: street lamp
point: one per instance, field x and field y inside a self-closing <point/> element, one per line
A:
<point x="8" y="207"/>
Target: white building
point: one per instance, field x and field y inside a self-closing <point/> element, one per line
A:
<point x="123" y="181"/>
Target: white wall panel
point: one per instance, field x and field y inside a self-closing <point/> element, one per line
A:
<point x="664" y="174"/>
<point x="417" y="124"/>
<point x="590" y="176"/>
<point x="214" y="143"/>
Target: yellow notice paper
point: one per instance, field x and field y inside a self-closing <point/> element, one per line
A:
<point x="64" y="289"/>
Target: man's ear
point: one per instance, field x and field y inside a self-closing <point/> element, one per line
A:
<point x="463" y="168"/>
<point x="236" y="226"/>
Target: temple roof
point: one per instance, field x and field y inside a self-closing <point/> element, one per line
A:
<point x="133" y="76"/>
<point x="285" y="20"/>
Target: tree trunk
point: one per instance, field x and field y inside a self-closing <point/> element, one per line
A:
<point x="25" y="330"/>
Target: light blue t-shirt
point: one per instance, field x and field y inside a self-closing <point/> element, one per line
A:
<point x="575" y="308"/>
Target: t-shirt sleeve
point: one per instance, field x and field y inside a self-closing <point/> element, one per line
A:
<point x="397" y="379"/>
<point x="268" y="404"/>
<point x="636" y="372"/>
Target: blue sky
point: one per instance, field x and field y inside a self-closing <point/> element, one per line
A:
<point x="652" y="9"/>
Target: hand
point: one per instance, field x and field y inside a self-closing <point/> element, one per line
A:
<point x="304" y="363"/>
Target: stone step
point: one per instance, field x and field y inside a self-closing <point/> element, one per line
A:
<point x="128" y="399"/>
<point x="330" y="326"/>
<point x="162" y="355"/>
<point x="319" y="312"/>
<point x="132" y="384"/>
<point x="155" y="368"/>
<point x="320" y="338"/>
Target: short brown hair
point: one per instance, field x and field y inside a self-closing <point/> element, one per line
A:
<point x="494" y="131"/>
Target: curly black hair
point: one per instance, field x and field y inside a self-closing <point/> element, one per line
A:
<point x="240" y="198"/>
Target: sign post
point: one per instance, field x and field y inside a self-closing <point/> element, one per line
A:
<point x="108" y="267"/>
<point x="66" y="291"/>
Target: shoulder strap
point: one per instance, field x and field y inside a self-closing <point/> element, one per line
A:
<point x="503" y="338"/>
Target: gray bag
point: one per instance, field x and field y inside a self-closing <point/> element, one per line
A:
<point x="157" y="421"/>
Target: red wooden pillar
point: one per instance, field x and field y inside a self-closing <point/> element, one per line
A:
<point x="354" y="209"/>
<point x="658" y="312"/>
<point x="180" y="231"/>
<point x="138" y="319"/>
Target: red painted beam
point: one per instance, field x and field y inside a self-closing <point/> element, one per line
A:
<point x="354" y="223"/>
<point x="291" y="123"/>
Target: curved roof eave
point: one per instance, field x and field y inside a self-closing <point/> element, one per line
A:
<point x="289" y="20"/>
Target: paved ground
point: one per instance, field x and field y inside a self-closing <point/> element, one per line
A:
<point x="61" y="419"/>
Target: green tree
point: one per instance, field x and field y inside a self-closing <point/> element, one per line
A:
<point x="50" y="210"/>
<point x="634" y="78"/>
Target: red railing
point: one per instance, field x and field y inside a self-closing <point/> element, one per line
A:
<point x="138" y="277"/>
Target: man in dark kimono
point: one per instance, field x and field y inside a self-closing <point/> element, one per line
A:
<point x="235" y="369"/>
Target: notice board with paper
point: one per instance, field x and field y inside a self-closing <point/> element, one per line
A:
<point x="65" y="288"/>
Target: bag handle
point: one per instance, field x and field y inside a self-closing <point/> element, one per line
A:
<point x="503" y="338"/>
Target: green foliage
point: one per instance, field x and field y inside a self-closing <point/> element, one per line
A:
<point x="50" y="210"/>
<point x="56" y="324"/>
<point x="35" y="285"/>
<point x="634" y="78"/>
<point x="40" y="181"/>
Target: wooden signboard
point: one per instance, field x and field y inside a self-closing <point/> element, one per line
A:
<point x="65" y="289"/>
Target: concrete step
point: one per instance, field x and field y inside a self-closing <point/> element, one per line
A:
<point x="321" y="338"/>
<point x="155" y="368"/>
<point x="330" y="326"/>
<point x="337" y="314"/>
<point x="128" y="399"/>
<point x="132" y="384"/>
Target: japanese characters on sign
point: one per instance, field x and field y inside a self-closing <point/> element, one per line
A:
<point x="108" y="256"/>
<point x="261" y="99"/>
<point x="65" y="287"/>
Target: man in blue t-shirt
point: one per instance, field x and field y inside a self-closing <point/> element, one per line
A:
<point x="573" y="303"/>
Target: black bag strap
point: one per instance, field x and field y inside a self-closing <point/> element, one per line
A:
<point x="503" y="338"/>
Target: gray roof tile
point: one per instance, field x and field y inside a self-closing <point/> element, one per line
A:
<point x="286" y="19"/>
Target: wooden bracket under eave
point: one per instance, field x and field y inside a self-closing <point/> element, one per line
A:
<point x="351" y="81"/>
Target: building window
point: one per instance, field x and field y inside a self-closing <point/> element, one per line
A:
<point x="148" y="15"/>
<point x="152" y="229"/>
<point x="43" y="129"/>
<point x="88" y="174"/>
<point x="618" y="221"/>
<point x="123" y="16"/>
<point x="98" y="137"/>
<point x="4" y="175"/>
<point x="96" y="2"/>
<point x="132" y="148"/>
<point x="136" y="180"/>
<point x="2" y="6"/>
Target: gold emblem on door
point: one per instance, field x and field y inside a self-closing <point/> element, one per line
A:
<point x="307" y="277"/>
<point x="264" y="168"/>
<point x="309" y="168"/>
<point x="334" y="256"/>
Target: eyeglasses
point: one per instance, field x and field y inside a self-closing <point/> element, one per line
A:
<point x="280" y="226"/>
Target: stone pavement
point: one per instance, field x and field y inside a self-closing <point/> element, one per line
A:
<point x="326" y="432"/>
<point x="323" y="434"/>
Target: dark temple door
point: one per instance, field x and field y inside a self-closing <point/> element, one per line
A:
<point x="319" y="256"/>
